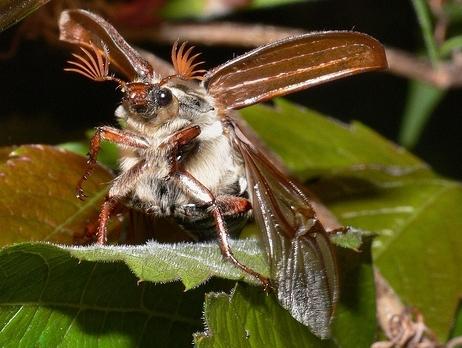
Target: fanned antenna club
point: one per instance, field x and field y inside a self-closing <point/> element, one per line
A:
<point x="183" y="62"/>
<point x="93" y="63"/>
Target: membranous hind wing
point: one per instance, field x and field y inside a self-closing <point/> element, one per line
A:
<point x="300" y="255"/>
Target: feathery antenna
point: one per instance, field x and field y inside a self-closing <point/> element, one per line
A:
<point x="183" y="62"/>
<point x="93" y="63"/>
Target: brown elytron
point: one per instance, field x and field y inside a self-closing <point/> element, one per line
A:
<point x="184" y="155"/>
<point x="293" y="64"/>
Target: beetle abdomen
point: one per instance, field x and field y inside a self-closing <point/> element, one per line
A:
<point x="199" y="222"/>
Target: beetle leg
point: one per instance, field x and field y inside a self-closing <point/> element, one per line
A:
<point x="339" y="230"/>
<point x="199" y="192"/>
<point x="113" y="135"/>
<point x="121" y="187"/>
<point x="232" y="205"/>
<point x="176" y="141"/>
<point x="104" y="215"/>
<point x="182" y="137"/>
<point x="124" y="182"/>
<point x="229" y="205"/>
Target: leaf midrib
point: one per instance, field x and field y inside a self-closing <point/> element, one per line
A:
<point x="79" y="307"/>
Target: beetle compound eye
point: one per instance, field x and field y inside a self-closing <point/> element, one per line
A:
<point x="164" y="97"/>
<point x="165" y="103"/>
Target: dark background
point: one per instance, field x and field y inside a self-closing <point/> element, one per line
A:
<point x="40" y="103"/>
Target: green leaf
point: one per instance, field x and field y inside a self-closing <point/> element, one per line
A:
<point x="37" y="195"/>
<point x="271" y="3"/>
<point x="426" y="27"/>
<point x="12" y="11"/>
<point x="457" y="329"/>
<point x="450" y="45"/>
<point x="49" y="299"/>
<point x="192" y="263"/>
<point x="376" y="186"/>
<point x="453" y="11"/>
<point x="248" y="318"/>
<point x="369" y="183"/>
<point x="417" y="220"/>
<point x="421" y="102"/>
<point x="355" y="320"/>
<point x="177" y="9"/>
<point x="312" y="145"/>
<point x="180" y="9"/>
<point x="108" y="154"/>
<point x="52" y="296"/>
<point x="77" y="147"/>
<point x="352" y="239"/>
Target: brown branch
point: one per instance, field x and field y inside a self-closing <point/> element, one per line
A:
<point x="222" y="33"/>
<point x="445" y="75"/>
<point x="441" y="20"/>
<point x="404" y="327"/>
<point x="401" y="63"/>
<point x="455" y="342"/>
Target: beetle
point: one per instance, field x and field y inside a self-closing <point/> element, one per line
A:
<point x="185" y="155"/>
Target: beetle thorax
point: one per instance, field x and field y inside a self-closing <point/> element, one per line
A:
<point x="210" y="158"/>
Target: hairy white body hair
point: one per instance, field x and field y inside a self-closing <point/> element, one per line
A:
<point x="212" y="160"/>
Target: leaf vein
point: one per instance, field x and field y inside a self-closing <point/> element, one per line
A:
<point x="413" y="217"/>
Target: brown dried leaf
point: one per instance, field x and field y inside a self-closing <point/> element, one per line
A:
<point x="37" y="195"/>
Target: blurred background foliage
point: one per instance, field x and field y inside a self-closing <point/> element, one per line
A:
<point x="41" y="104"/>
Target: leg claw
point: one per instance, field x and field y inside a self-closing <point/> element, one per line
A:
<point x="80" y="194"/>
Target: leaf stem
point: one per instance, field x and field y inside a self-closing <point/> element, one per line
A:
<point x="423" y="16"/>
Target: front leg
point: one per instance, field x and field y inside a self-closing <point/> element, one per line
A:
<point x="124" y="183"/>
<point x="176" y="142"/>
<point x="112" y="135"/>
<point x="192" y="187"/>
<point x="181" y="138"/>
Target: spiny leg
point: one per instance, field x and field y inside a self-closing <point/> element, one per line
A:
<point x="182" y="137"/>
<point x="175" y="142"/>
<point x="194" y="188"/>
<point x="200" y="225"/>
<point x="113" y="135"/>
<point x="123" y="184"/>
<point x="232" y="205"/>
<point x="199" y="192"/>
<point x="104" y="215"/>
